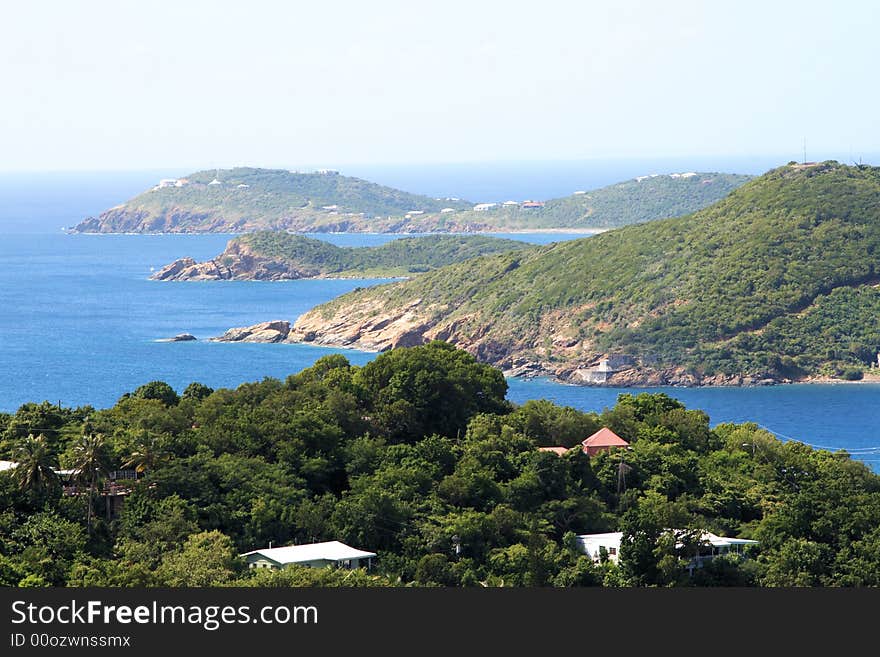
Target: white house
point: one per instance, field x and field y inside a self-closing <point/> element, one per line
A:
<point x="482" y="207"/>
<point x="311" y="555"/>
<point x="448" y="210"/>
<point x="714" y="546"/>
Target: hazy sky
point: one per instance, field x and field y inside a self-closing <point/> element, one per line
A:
<point x="131" y="84"/>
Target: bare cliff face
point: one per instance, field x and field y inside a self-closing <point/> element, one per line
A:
<point x="237" y="262"/>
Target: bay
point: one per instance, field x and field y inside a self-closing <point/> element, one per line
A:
<point x="79" y="322"/>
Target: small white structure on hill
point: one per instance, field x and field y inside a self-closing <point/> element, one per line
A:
<point x="311" y="555"/>
<point x="447" y="210"/>
<point x="482" y="207"/>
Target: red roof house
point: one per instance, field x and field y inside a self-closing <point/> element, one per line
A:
<point x="604" y="440"/>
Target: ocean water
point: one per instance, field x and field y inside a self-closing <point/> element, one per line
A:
<point x="80" y="322"/>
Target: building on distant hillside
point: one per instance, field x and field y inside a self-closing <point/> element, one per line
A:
<point x="711" y="546"/>
<point x="447" y="210"/>
<point x="508" y="203"/>
<point x="607" y="366"/>
<point x="482" y="207"/>
<point x="215" y="182"/>
<point x="167" y="182"/>
<point x="557" y="449"/>
<point x="579" y="192"/>
<point x="604" y="440"/>
<point x="311" y="555"/>
<point x="415" y="212"/>
<point x="328" y="172"/>
<point x="532" y="204"/>
<point x="329" y="207"/>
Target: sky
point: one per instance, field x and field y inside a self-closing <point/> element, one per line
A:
<point x="126" y="85"/>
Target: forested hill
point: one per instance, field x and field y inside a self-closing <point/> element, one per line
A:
<point x="777" y="281"/>
<point x="272" y="256"/>
<point x="417" y="457"/>
<point x="245" y="200"/>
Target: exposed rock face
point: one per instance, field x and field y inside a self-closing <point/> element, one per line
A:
<point x="404" y="328"/>
<point x="275" y="331"/>
<point x="237" y="262"/>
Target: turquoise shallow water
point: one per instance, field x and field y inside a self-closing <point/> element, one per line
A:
<point x="79" y="324"/>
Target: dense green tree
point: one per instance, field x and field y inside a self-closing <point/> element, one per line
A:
<point x="205" y="559"/>
<point x="431" y="389"/>
<point x="158" y="390"/>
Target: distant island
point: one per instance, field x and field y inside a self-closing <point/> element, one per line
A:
<point x="244" y="200"/>
<point x="277" y="256"/>
<point x="778" y="282"/>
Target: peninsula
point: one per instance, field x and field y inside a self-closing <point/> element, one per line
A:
<point x="278" y="256"/>
<point x="778" y="282"/>
<point x="248" y="199"/>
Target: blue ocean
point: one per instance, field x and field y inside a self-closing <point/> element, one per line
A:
<point x="80" y="323"/>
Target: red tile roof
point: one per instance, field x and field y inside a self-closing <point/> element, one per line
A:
<point x="605" y="437"/>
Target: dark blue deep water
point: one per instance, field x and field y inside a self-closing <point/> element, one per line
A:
<point x="79" y="322"/>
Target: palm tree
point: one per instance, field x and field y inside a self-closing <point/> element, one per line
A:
<point x="35" y="471"/>
<point x="147" y="454"/>
<point x="90" y="463"/>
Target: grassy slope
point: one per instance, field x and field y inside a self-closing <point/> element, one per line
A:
<point x="731" y="288"/>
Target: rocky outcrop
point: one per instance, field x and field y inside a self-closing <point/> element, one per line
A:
<point x="180" y="337"/>
<point x="274" y="331"/>
<point x="238" y="262"/>
<point x="404" y="328"/>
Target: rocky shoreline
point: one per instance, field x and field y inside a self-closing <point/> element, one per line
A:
<point x="516" y="366"/>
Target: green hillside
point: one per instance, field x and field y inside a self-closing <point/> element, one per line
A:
<point x="408" y="255"/>
<point x="777" y="280"/>
<point x="246" y="199"/>
<point x="268" y="255"/>
<point x="633" y="201"/>
<point x="250" y="199"/>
